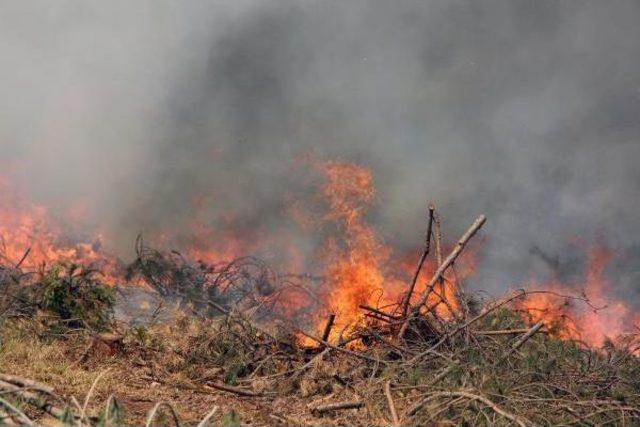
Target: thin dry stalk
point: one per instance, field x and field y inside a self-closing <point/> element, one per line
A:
<point x="392" y="406"/>
<point x="506" y="332"/>
<point x="21" y="415"/>
<point x="343" y="350"/>
<point x="423" y="257"/>
<point x="379" y="312"/>
<point x="483" y="314"/>
<point x="88" y="397"/>
<point x="207" y="417"/>
<point x="154" y="411"/>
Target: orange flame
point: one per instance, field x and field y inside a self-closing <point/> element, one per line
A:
<point x="355" y="271"/>
<point x="360" y="268"/>
<point x="604" y="317"/>
<point x="25" y="226"/>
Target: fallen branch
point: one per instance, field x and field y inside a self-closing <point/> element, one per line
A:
<point x="6" y="420"/>
<point x="328" y="327"/>
<point x="392" y="406"/>
<point x="535" y="328"/>
<point x="442" y="375"/>
<point x="343" y="350"/>
<point x="234" y="390"/>
<point x="379" y="312"/>
<point x="21" y="415"/>
<point x="314" y="359"/>
<point x="484" y="313"/>
<point x="518" y="420"/>
<point x="322" y="409"/>
<point x="27" y="383"/>
<point x="32" y="399"/>
<point x="506" y="332"/>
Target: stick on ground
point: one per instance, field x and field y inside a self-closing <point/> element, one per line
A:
<point x="392" y="406"/>
<point x="234" y="390"/>
<point x="535" y="328"/>
<point x="322" y="409"/>
<point x="519" y="421"/>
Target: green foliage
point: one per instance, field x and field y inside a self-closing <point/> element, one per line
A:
<point x="74" y="294"/>
<point x="231" y="419"/>
<point x="113" y="414"/>
<point x="68" y="417"/>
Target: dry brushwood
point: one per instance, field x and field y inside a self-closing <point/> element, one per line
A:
<point x="438" y="275"/>
<point x="483" y="366"/>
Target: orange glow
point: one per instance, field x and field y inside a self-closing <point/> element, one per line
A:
<point x="24" y="225"/>
<point x="360" y="267"/>
<point x="605" y="317"/>
<point x="213" y="246"/>
<point x="357" y="266"/>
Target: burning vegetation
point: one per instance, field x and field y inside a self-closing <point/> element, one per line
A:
<point x="377" y="337"/>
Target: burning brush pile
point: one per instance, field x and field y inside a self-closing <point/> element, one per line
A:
<point x="355" y="346"/>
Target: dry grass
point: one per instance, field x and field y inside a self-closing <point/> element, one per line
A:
<point x="546" y="381"/>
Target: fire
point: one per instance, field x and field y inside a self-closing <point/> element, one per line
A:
<point x="360" y="268"/>
<point x="30" y="237"/>
<point x="603" y="316"/>
<point x="355" y="271"/>
<point x="213" y="245"/>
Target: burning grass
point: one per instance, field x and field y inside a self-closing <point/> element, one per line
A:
<point x="233" y="351"/>
<point x="373" y="340"/>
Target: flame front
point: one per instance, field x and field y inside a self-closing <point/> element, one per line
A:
<point x="597" y="316"/>
<point x="29" y="236"/>
<point x="355" y="266"/>
<point x="358" y="267"/>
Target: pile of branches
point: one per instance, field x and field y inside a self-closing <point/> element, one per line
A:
<point x="411" y="364"/>
<point x="482" y="365"/>
<point x="246" y="284"/>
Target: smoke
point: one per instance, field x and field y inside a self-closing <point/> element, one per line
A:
<point x="525" y="111"/>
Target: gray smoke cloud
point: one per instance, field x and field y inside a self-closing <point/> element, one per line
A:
<point x="525" y="111"/>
